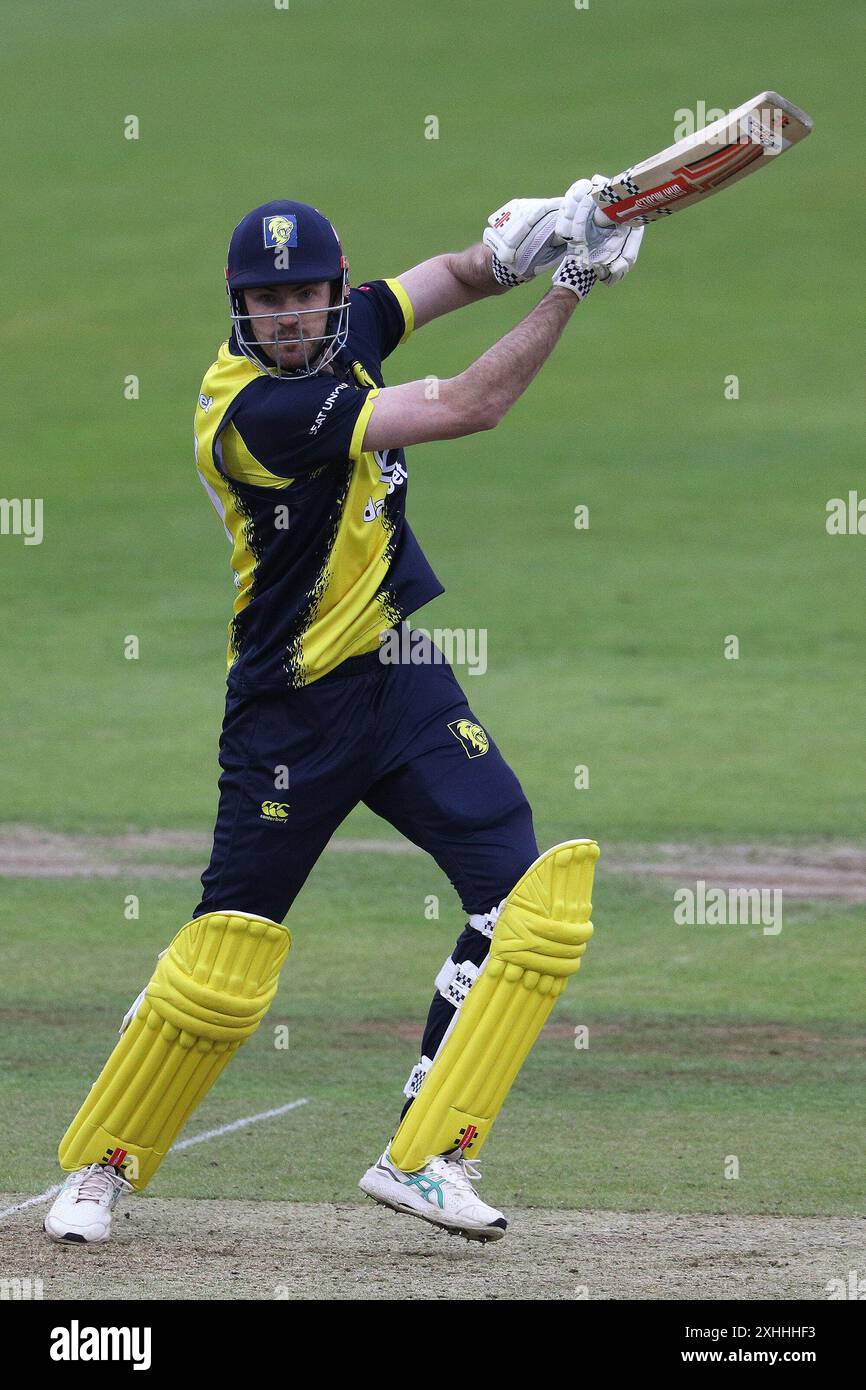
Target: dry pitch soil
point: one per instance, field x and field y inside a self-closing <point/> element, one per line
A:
<point x="825" y="872"/>
<point x="182" y="1249"/>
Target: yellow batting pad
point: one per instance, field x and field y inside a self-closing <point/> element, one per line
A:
<point x="209" y="993"/>
<point x="539" y="938"/>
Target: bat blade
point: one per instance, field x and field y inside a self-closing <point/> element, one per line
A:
<point x="745" y="140"/>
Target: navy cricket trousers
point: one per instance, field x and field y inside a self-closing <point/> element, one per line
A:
<point x="402" y="739"/>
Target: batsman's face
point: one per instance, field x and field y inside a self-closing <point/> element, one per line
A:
<point x="292" y="317"/>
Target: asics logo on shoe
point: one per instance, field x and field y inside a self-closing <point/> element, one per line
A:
<point x="430" y="1188"/>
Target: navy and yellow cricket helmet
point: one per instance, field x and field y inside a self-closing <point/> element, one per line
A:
<point x="287" y="243"/>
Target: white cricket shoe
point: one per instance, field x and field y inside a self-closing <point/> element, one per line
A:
<point x="81" y="1213"/>
<point x="441" y="1193"/>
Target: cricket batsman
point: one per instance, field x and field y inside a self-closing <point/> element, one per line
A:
<point x="300" y="448"/>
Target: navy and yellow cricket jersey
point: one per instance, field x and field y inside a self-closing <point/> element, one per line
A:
<point x="323" y="556"/>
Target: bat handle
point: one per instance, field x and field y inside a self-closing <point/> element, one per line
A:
<point x="597" y="228"/>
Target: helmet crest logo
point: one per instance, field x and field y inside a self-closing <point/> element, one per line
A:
<point x="280" y="231"/>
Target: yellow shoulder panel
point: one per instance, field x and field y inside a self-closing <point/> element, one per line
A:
<point x="239" y="463"/>
<point x="405" y="304"/>
<point x="361" y="425"/>
<point x="226" y="378"/>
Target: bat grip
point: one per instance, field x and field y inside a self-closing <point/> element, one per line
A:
<point x="597" y="228"/>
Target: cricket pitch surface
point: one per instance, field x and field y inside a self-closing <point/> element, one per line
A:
<point x="181" y="1249"/>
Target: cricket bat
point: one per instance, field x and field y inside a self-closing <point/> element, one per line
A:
<point x="747" y="139"/>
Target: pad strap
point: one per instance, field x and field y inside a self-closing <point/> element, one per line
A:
<point x="454" y="980"/>
<point x="485" y="922"/>
<point x="416" y="1077"/>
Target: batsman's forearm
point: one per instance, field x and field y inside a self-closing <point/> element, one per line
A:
<point x="473" y="268"/>
<point x="501" y="375"/>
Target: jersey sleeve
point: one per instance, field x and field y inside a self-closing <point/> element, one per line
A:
<point x="389" y="309"/>
<point x="292" y="428"/>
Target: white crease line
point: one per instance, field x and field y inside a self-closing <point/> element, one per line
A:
<point x="175" y="1148"/>
<point x="32" y="1201"/>
<point x="238" y="1124"/>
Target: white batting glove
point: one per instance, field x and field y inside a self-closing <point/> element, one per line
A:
<point x="576" y="222"/>
<point x="611" y="252"/>
<point x="575" y="273"/>
<point x="522" y="236"/>
<point x="612" y="273"/>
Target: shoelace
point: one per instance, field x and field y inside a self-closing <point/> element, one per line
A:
<point x="468" y="1172"/>
<point x="96" y="1184"/>
<point x="463" y="1172"/>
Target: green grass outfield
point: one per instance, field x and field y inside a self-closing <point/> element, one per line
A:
<point x="684" y="1067"/>
<point x="605" y="646"/>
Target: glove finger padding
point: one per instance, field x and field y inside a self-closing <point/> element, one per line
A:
<point x="612" y="273"/>
<point x="522" y="236"/>
<point x="566" y="218"/>
<point x="576" y="222"/>
<point x="511" y="223"/>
